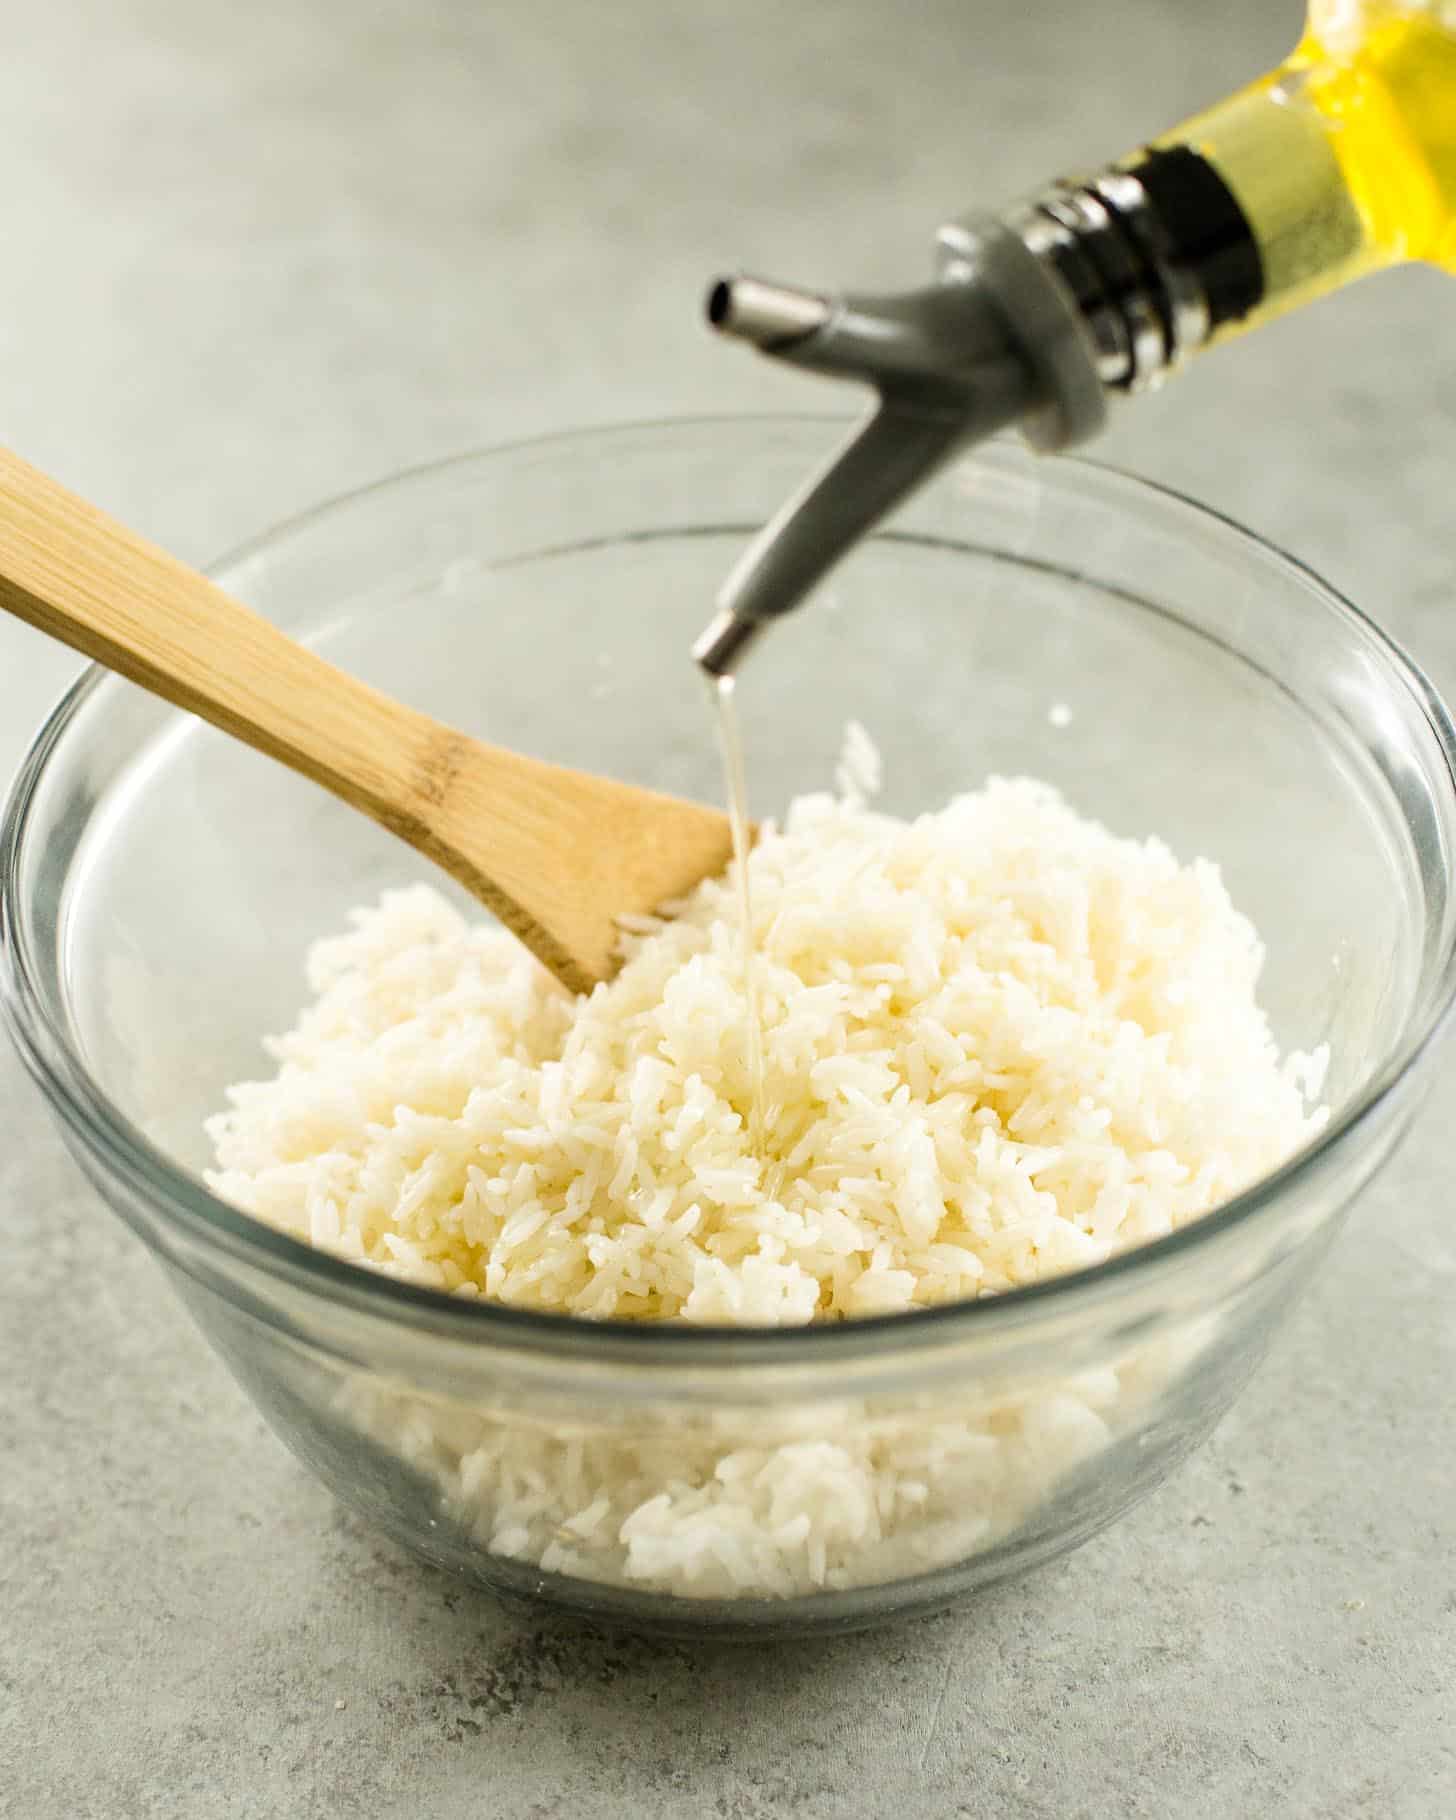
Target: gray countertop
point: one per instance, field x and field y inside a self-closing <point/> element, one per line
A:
<point x="253" y="256"/>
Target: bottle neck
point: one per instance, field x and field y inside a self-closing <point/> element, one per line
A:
<point x="1157" y="254"/>
<point x="1237" y="217"/>
<point x="1341" y="162"/>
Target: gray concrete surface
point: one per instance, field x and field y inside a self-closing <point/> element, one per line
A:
<point x="252" y="256"/>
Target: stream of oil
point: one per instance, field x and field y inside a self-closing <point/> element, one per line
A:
<point x="735" y="786"/>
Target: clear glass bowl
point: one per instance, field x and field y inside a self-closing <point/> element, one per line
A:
<point x="160" y="886"/>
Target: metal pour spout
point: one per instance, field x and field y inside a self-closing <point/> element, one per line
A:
<point x="765" y="314"/>
<point x="994" y="342"/>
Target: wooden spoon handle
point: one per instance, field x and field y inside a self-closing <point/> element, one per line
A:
<point x="557" y="854"/>
<point x="71" y="571"/>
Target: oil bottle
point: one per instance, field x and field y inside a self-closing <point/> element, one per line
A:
<point x="1339" y="163"/>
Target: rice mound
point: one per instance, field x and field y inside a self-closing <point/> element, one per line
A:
<point x="1000" y="1043"/>
<point x="770" y="1502"/>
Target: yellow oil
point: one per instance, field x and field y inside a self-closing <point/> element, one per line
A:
<point x="1390" y="104"/>
<point x="735" y="786"/>
<point x="1344" y="158"/>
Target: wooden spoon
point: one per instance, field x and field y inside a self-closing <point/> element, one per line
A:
<point x="556" y="854"/>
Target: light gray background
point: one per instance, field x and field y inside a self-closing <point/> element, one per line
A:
<point x="254" y="255"/>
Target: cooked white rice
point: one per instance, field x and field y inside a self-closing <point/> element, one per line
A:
<point x="1000" y="1043"/>
<point x="771" y="1502"/>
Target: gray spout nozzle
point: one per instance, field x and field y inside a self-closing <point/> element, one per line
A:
<point x="995" y="342"/>
<point x="767" y="315"/>
<point x="884" y="461"/>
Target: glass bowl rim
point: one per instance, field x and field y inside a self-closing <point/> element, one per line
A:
<point x="108" y="1137"/>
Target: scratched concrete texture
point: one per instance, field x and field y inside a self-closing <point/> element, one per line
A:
<point x="256" y="255"/>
